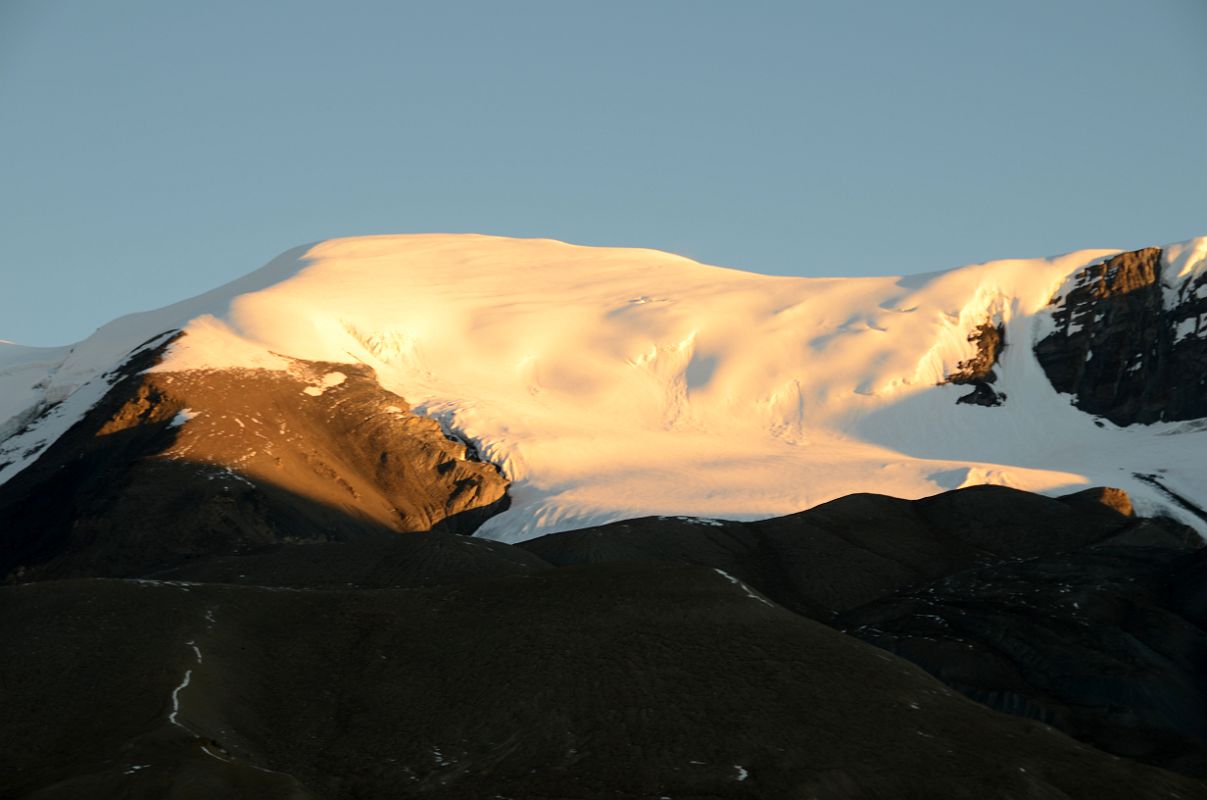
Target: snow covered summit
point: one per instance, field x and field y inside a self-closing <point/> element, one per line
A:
<point x="611" y="383"/>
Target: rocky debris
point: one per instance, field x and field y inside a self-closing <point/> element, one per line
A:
<point x="1120" y="351"/>
<point x="170" y="466"/>
<point x="978" y="371"/>
<point x="1016" y="600"/>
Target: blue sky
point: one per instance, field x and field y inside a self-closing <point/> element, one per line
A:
<point x="155" y="149"/>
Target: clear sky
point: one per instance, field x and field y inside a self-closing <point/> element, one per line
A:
<point x="153" y="149"/>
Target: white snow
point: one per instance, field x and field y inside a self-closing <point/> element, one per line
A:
<point x="612" y="383"/>
<point x="715" y="523"/>
<point x="324" y="383"/>
<point x="205" y="749"/>
<point x="24" y="376"/>
<point x="30" y="431"/>
<point x="749" y="592"/>
<point x="182" y="416"/>
<point x="1180" y="262"/>
<point x="188" y="674"/>
<point x="1186" y="327"/>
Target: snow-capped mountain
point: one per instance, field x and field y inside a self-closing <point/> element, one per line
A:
<point x="207" y="496"/>
<point x="614" y="383"/>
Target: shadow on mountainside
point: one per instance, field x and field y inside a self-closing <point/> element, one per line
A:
<point x="1069" y="611"/>
<point x="92" y="523"/>
<point x="171" y="466"/>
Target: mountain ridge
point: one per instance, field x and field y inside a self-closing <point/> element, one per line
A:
<point x="609" y="383"/>
<point x="251" y="500"/>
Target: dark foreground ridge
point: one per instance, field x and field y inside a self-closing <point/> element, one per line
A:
<point x="1069" y="611"/>
<point x="652" y="658"/>
<point x="252" y="585"/>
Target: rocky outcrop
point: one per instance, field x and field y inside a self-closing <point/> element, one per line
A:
<point x="173" y="465"/>
<point x="977" y="371"/>
<point x="1127" y="345"/>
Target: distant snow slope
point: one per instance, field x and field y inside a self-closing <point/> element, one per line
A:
<point x="611" y="383"/>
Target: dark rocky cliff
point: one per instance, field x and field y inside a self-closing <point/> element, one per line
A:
<point x="977" y="371"/>
<point x="1121" y="350"/>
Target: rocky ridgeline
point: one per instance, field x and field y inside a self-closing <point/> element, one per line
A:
<point x="173" y="465"/>
<point x="1127" y="347"/>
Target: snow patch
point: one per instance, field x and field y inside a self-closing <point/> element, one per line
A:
<point x="1188" y="327"/>
<point x="188" y="674"/>
<point x="227" y="472"/>
<point x="324" y="383"/>
<point x="749" y="592"/>
<point x="205" y="749"/>
<point x="183" y="416"/>
<point x="47" y="422"/>
<point x="1180" y="263"/>
<point x="712" y="523"/>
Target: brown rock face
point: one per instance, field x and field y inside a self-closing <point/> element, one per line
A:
<point x="1120" y="352"/>
<point x="1102" y="497"/>
<point x="172" y="465"/>
<point x="977" y="371"/>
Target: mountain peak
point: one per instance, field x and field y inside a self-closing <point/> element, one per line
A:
<point x="613" y="382"/>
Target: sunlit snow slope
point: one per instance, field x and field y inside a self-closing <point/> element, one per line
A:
<point x="612" y="383"/>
